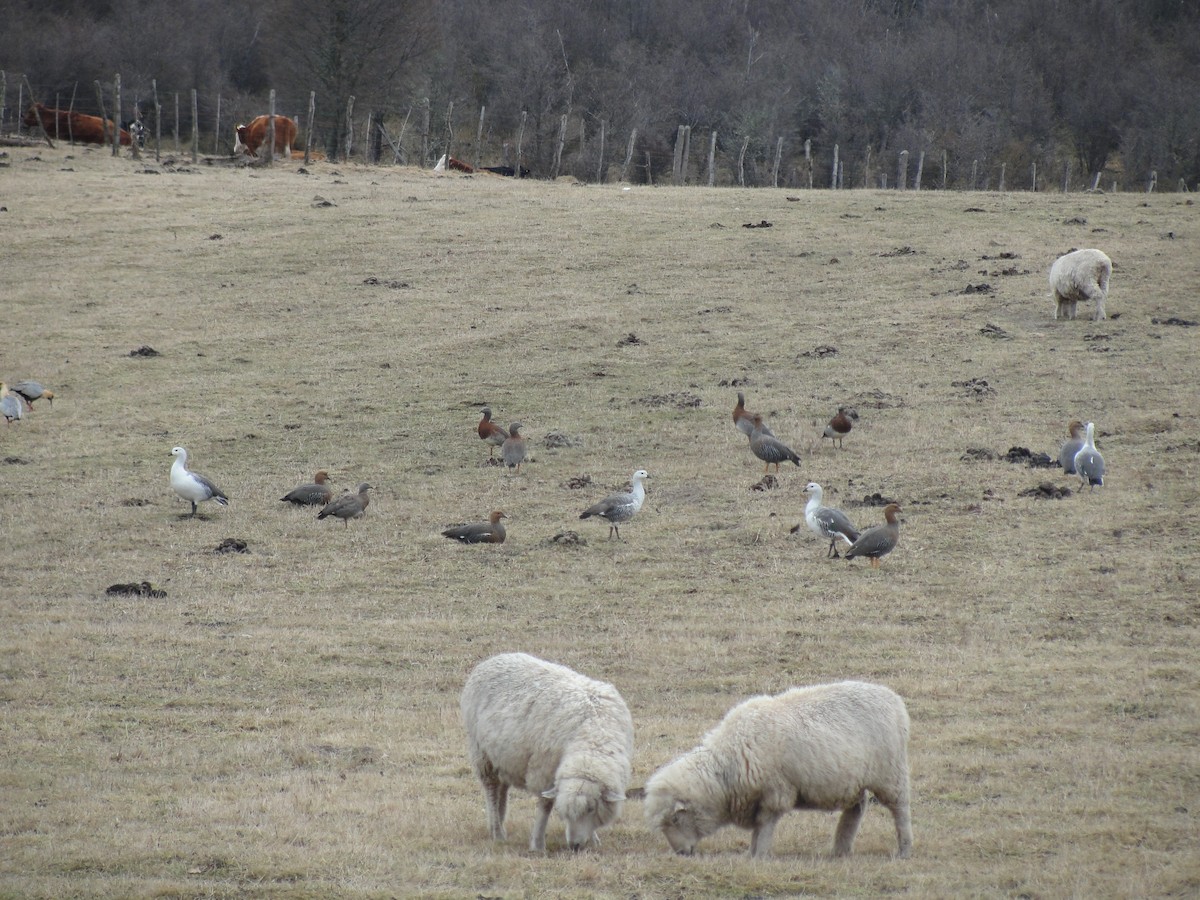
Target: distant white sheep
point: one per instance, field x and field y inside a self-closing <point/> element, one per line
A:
<point x="546" y="729"/>
<point x="1080" y="275"/>
<point x="822" y="747"/>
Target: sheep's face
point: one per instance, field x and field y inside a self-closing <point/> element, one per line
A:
<point x="586" y="807"/>
<point x="682" y="822"/>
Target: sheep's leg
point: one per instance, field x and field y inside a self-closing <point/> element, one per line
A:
<point x="537" y="840"/>
<point x="898" y="805"/>
<point x="762" y="836"/>
<point x="496" y="793"/>
<point x="847" y="827"/>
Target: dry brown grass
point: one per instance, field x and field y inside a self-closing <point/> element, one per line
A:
<point x="284" y="723"/>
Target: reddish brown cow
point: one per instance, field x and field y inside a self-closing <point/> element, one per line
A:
<point x="68" y="124"/>
<point x="248" y="138"/>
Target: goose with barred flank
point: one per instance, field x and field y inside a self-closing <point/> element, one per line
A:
<point x="489" y="532"/>
<point x="876" y="543"/>
<point x="768" y="448"/>
<point x="618" y="508"/>
<point x="348" y="506"/>
<point x="316" y="494"/>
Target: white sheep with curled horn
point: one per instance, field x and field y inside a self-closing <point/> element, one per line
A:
<point x="547" y="729"/>
<point x="1080" y="275"/>
<point x="822" y="747"/>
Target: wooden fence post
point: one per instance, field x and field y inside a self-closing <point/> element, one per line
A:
<point x="478" y="139"/>
<point x="1153" y="181"/>
<point x="945" y="167"/>
<point x="920" y="169"/>
<point x="808" y="161"/>
<point x="649" y="173"/>
<point x="974" y="174"/>
<point x="902" y="172"/>
<point x="712" y="158"/>
<point x="4" y="98"/>
<point x="742" y="161"/>
<point x="833" y="182"/>
<point x="558" y="149"/>
<point x="1003" y="167"/>
<point x="308" y="128"/>
<point x="425" y="108"/>
<point x="116" y="147"/>
<point x="195" y="126"/>
<point x="628" y="153"/>
<point x="349" y="126"/>
<point x="867" y="169"/>
<point x="778" y="157"/>
<point x="270" y="154"/>
<point x="157" y="121"/>
<point x="687" y="153"/>
<point x="1067" y="177"/>
<point x="177" y="150"/>
<point x="1033" y="177"/>
<point x="217" y="131"/>
<point x="600" y="163"/>
<point x="677" y="157"/>
<point x="449" y="132"/>
<point x="520" y="141"/>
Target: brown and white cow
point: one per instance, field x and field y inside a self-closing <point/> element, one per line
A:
<point x="248" y="138"/>
<point x="68" y="124"/>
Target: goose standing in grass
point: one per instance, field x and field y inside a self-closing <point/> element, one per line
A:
<point x="192" y="486"/>
<point x="348" y="506"/>
<point x="825" y="521"/>
<point x="316" y="494"/>
<point x="489" y="532"/>
<point x="10" y="405"/>
<point x="839" y="426"/>
<point x="1071" y="446"/>
<point x="512" y="451"/>
<point x="490" y="432"/>
<point x="876" y="543"/>
<point x="1089" y="464"/>
<point x="618" y="508"/>
<point x="33" y="390"/>
<point x="769" y="449"/>
<point x="744" y="419"/>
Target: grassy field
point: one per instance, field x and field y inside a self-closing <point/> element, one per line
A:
<point x="284" y="722"/>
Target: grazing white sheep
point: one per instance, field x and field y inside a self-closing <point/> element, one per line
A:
<point x="549" y="730"/>
<point x="1080" y="275"/>
<point x="822" y="747"/>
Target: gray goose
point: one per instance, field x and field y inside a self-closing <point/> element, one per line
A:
<point x="348" y="506"/>
<point x="618" y="508"/>
<point x="1071" y="446"/>
<point x="876" y="543"/>
<point x="512" y="451"/>
<point x="768" y="448"/>
<point x="489" y="532"/>
<point x="33" y="390"/>
<point x="316" y="494"/>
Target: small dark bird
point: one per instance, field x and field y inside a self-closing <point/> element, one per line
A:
<point x="618" y="508"/>
<point x="769" y="449"/>
<point x="32" y="390"/>
<point x="1071" y="446"/>
<point x="489" y="532"/>
<point x="744" y="419"/>
<point x="491" y="432"/>
<point x="512" y="451"/>
<point x="839" y="426"/>
<point x="316" y="494"/>
<point x="876" y="543"/>
<point x="348" y="506"/>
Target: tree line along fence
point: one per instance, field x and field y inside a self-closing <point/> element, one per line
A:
<point x="175" y="122"/>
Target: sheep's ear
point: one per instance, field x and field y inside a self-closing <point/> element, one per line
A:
<point x="680" y="806"/>
<point x="551" y="793"/>
<point x="611" y="796"/>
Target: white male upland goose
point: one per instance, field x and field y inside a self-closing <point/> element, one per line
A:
<point x="1089" y="464"/>
<point x="825" y="521"/>
<point x="618" y="508"/>
<point x="192" y="486"/>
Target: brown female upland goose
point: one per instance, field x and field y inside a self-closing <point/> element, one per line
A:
<point x="489" y="532"/>
<point x="744" y="419"/>
<point x="316" y="494"/>
<point x="1071" y="446"/>
<point x="876" y="543"/>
